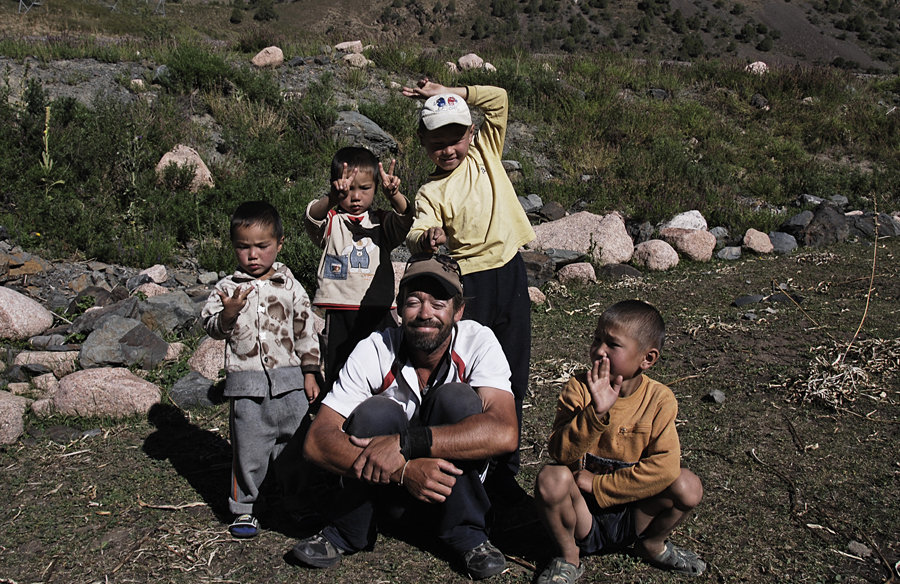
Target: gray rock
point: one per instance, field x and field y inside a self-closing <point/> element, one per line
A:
<point x="539" y="267"/>
<point x="563" y="257"/>
<point x="296" y="62"/>
<point x="751" y="316"/>
<point x="615" y="272"/>
<point x="760" y="102"/>
<point x="828" y="226"/>
<point x="90" y="320"/>
<point x="745" y="300"/>
<point x="806" y="200"/>
<point x="208" y="278"/>
<point x="840" y="200"/>
<point x="161" y="75"/>
<point x="194" y="390"/>
<point x="864" y="226"/>
<point x="639" y="232"/>
<point x="721" y="234"/>
<point x="729" y="253"/>
<point x="185" y="279"/>
<point x="62" y="434"/>
<point x="141" y="346"/>
<point x="859" y="549"/>
<point x="102" y="347"/>
<point x="553" y="211"/>
<point x="796" y="224"/>
<point x="136" y="280"/>
<point x="44" y="341"/>
<point x="355" y="128"/>
<point x="784" y="298"/>
<point x="532" y="203"/>
<point x="660" y="94"/>
<point x="782" y="242"/>
<point x="35" y="369"/>
<point x="169" y="312"/>
<point x="511" y="165"/>
<point x="716" y="396"/>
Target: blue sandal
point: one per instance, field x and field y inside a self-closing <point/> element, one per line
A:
<point x="244" y="526"/>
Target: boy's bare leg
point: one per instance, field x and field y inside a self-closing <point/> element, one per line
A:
<point x="656" y="517"/>
<point x="562" y="509"/>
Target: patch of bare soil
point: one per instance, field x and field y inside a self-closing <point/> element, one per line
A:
<point x="799" y="464"/>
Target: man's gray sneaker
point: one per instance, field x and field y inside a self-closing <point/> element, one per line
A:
<point x="484" y="561"/>
<point x="317" y="551"/>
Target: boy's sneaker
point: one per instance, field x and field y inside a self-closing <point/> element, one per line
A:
<point x="317" y="551"/>
<point x="560" y="571"/>
<point x="484" y="561"/>
<point x="244" y="526"/>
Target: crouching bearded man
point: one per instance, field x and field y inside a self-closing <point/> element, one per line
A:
<point x="415" y="415"/>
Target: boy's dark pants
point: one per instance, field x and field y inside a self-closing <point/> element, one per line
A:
<point x="344" y="329"/>
<point x="459" y="522"/>
<point x="499" y="300"/>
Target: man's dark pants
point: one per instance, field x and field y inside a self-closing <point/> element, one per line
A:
<point x="459" y="522"/>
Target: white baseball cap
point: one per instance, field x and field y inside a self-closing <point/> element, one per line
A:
<point x="444" y="109"/>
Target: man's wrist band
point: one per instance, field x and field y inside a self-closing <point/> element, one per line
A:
<point x="415" y="443"/>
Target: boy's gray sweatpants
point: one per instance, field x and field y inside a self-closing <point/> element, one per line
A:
<point x="260" y="429"/>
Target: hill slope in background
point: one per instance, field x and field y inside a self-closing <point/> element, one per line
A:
<point x="855" y="34"/>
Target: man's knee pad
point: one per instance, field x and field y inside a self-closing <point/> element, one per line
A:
<point x="377" y="416"/>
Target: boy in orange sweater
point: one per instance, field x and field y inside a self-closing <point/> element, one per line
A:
<point x="622" y="482"/>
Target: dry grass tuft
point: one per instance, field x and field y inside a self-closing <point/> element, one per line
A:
<point x="838" y="374"/>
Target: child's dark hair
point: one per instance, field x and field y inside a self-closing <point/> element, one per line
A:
<point x="353" y="157"/>
<point x="644" y="322"/>
<point x="256" y="213"/>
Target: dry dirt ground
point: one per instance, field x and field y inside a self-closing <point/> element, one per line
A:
<point x="798" y="463"/>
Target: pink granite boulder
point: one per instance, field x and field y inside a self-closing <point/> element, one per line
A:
<point x="158" y="273"/>
<point x="61" y="363"/>
<point x="268" y="57"/>
<point x="12" y="408"/>
<point x="182" y="156"/>
<point x="757" y="242"/>
<point x="349" y="47"/>
<point x="605" y="237"/>
<point x="536" y="296"/>
<point x="470" y="61"/>
<point x="21" y="317"/>
<point x="655" y="255"/>
<point x="209" y="358"/>
<point x="581" y="272"/>
<point x="104" y="391"/>
<point x="695" y="244"/>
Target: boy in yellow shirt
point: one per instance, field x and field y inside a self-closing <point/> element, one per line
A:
<point x="469" y="204"/>
<point x="622" y="482"/>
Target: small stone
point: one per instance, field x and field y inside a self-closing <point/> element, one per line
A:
<point x="858" y="549"/>
<point x="716" y="396"/>
<point x="729" y="253"/>
<point x="745" y="300"/>
<point x="751" y="316"/>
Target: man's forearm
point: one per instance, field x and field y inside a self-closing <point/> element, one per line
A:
<point x="493" y="432"/>
<point x="327" y="446"/>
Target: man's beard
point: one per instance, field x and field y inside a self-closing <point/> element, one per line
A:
<point x="427" y="342"/>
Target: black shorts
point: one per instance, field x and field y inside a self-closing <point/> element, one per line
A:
<point x="612" y="528"/>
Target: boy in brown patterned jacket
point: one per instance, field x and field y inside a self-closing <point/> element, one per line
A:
<point x="271" y="355"/>
<point x="622" y="482"/>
